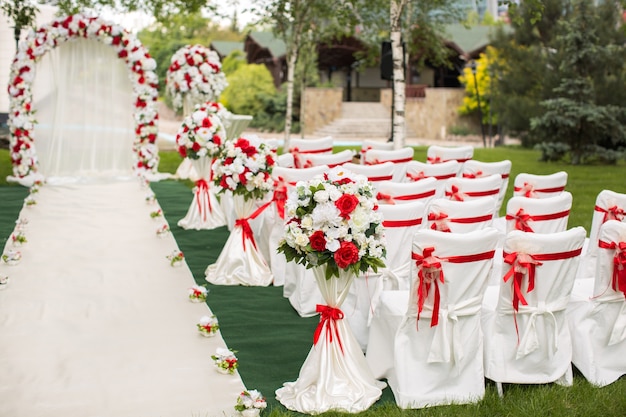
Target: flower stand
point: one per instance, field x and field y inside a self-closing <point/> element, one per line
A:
<point x="241" y="262"/>
<point x="205" y="211"/>
<point x="335" y="375"/>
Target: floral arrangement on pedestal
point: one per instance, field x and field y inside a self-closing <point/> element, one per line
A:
<point x="197" y="294"/>
<point x="250" y="403"/>
<point x="202" y="133"/>
<point x="176" y="258"/>
<point x="12" y="257"/>
<point x="333" y="221"/>
<point x="245" y="168"/>
<point x="225" y="360"/>
<point x="208" y="325"/>
<point x="195" y="73"/>
<point x="38" y="42"/>
<point x="18" y="239"/>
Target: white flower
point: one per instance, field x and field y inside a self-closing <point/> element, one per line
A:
<point x="326" y="214"/>
<point x="321" y="196"/>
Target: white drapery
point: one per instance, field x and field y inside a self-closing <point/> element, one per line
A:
<point x="84" y="103"/>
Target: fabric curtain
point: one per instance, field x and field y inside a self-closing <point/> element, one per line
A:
<point x="84" y="103"/>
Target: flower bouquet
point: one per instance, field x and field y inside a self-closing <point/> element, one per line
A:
<point x="176" y="258"/>
<point x="11" y="257"/>
<point x="30" y="201"/>
<point x="163" y="231"/>
<point x="200" y="139"/>
<point x="208" y="326"/>
<point x="194" y="75"/>
<point x="225" y="360"/>
<point x="332" y="225"/>
<point x="157" y="214"/>
<point x="18" y="238"/>
<point x="150" y="197"/>
<point x="4" y="282"/>
<point x="250" y="403"/>
<point x="197" y="294"/>
<point x="243" y="171"/>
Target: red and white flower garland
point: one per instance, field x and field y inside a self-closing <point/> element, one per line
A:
<point x="128" y="48"/>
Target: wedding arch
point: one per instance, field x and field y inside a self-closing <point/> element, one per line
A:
<point x="127" y="47"/>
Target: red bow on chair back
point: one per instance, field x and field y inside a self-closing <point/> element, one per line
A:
<point x="618" y="281"/>
<point x="296" y="157"/>
<point x="202" y="191"/>
<point x="521" y="220"/>
<point x="416" y="177"/>
<point x="521" y="264"/>
<point x="280" y="196"/>
<point x="455" y="194"/>
<point x="247" y="233"/>
<point x="528" y="190"/>
<point x="385" y="198"/>
<point x="440" y="222"/>
<point x="434" y="160"/>
<point x="328" y="317"/>
<point x="476" y="174"/>
<point x="430" y="274"/>
<point x="611" y="213"/>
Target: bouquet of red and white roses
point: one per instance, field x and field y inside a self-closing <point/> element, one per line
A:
<point x="333" y="220"/>
<point x="202" y="133"/>
<point x="245" y="168"/>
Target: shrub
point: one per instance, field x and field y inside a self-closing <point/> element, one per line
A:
<point x="245" y="85"/>
<point x="552" y="151"/>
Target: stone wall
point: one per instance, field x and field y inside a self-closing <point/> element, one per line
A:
<point x="433" y="116"/>
<point x="320" y="106"/>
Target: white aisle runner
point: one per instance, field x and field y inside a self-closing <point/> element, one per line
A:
<point x="95" y="322"/>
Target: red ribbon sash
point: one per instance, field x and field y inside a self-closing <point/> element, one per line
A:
<point x="395" y="161"/>
<point x="421" y="176"/>
<point x="455" y="193"/>
<point x="618" y="280"/>
<point x="522" y="218"/>
<point x="440" y="220"/>
<point x="402" y="223"/>
<point x="530" y="190"/>
<point x="611" y="213"/>
<point x="280" y="196"/>
<point x="202" y="191"/>
<point x="328" y="317"/>
<point x="248" y="234"/>
<point x="380" y="178"/>
<point x="472" y="175"/>
<point x="409" y="197"/>
<point x="482" y="193"/>
<point x="385" y="198"/>
<point x="296" y="154"/>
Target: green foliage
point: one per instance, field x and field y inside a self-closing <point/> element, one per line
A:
<point x="479" y="87"/>
<point x="244" y="87"/>
<point x="21" y="12"/>
<point x="234" y="61"/>
<point x="552" y="151"/>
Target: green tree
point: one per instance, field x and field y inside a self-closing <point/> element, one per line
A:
<point x="581" y="110"/>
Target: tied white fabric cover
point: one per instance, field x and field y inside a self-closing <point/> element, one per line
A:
<point x="597" y="317"/>
<point x="539" y="186"/>
<point x="334" y="375"/>
<point x="185" y="170"/>
<point x="205" y="211"/>
<point x="240" y="262"/>
<point x="96" y="321"/>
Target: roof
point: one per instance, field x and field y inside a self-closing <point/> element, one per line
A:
<point x="267" y="40"/>
<point x="470" y="42"/>
<point x="224" y="48"/>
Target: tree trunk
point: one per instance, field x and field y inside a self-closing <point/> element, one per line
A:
<point x="399" y="85"/>
<point x="291" y="69"/>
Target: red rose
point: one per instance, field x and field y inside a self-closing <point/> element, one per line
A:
<point x="217" y="140"/>
<point x="347" y="254"/>
<point x="196" y="147"/>
<point x="318" y="241"/>
<point x="269" y="160"/>
<point x="182" y="151"/>
<point x="346" y="205"/>
<point x="242" y="178"/>
<point x="206" y="122"/>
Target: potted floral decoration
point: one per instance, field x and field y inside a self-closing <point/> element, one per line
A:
<point x="225" y="360"/>
<point x="245" y="168"/>
<point x="18" y="238"/>
<point x="195" y="74"/>
<point x="157" y="214"/>
<point x="333" y="221"/>
<point x="208" y="325"/>
<point x="250" y="403"/>
<point x="202" y="133"/>
<point x="176" y="258"/>
<point x="11" y="257"/>
<point x="197" y="294"/>
<point x="163" y="231"/>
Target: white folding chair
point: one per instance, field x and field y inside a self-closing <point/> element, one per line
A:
<point x="526" y="334"/>
<point x="417" y="171"/>
<point x="285" y="160"/>
<point x="368" y="144"/>
<point x="479" y="169"/>
<point x="597" y="311"/>
<point x="399" y="157"/>
<point x="437" y="154"/>
<point x="330" y="160"/>
<point x="401" y="222"/>
<point x="391" y="192"/>
<point x="374" y="173"/>
<point x="465" y="189"/>
<point x="435" y="355"/>
<point x="539" y="186"/>
<point x="460" y="216"/>
<point x="300" y="148"/>
<point x="545" y="215"/>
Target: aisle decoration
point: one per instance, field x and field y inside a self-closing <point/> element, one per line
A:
<point x="18" y="238"/>
<point x="4" y="282"/>
<point x="243" y="172"/>
<point x="250" y="403"/>
<point x="208" y="326"/>
<point x="333" y="226"/>
<point x="225" y="360"/>
<point x="21" y="224"/>
<point x="163" y="231"/>
<point x="30" y="201"/>
<point x="12" y="257"/>
<point x="156" y="214"/>
<point x="141" y="73"/>
<point x="200" y="138"/>
<point x="197" y="294"/>
<point x="176" y="258"/>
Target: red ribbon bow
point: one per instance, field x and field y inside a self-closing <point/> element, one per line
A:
<point x="440" y="222"/>
<point x="248" y="234"/>
<point x="387" y="198"/>
<point x="455" y="194"/>
<point x="618" y="281"/>
<point x="528" y="190"/>
<point x="521" y="264"/>
<point x="416" y="177"/>
<point x="328" y="317"/>
<point x="434" y="160"/>
<point x="202" y="191"/>
<point x="429" y="273"/>
<point x="521" y="220"/>
<point x="476" y="174"/>
<point x="611" y="213"/>
<point x="280" y="196"/>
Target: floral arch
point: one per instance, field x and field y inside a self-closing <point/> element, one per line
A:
<point x="143" y="79"/>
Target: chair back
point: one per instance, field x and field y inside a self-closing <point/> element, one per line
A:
<point x="479" y="169"/>
<point x="610" y="278"/>
<point x="399" y="157"/>
<point x="436" y="154"/>
<point x="609" y="206"/>
<point x="368" y="144"/>
<point x="465" y="189"/>
<point x="285" y="160"/>
<point x="460" y="216"/>
<point x="539" y="186"/>
<point x="300" y="147"/>
<point x="539" y="215"/>
<point x="374" y="173"/>
<point x="331" y="160"/>
<point x="390" y="192"/>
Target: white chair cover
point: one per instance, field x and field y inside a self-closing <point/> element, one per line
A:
<point x="465" y="189"/>
<point x="390" y="192"/>
<point x="401" y="222"/>
<point x="417" y="171"/>
<point x="437" y="349"/>
<point x="368" y="144"/>
<point x="597" y="311"/>
<point x="285" y="160"/>
<point x="331" y="160"/>
<point x="539" y="186"/>
<point x="399" y="157"/>
<point x="437" y="154"/>
<point x="460" y="216"/>
<point x="545" y="215"/>
<point x="479" y="169"/>
<point x="185" y="170"/>
<point x="205" y="211"/>
<point x="300" y="147"/>
<point x="374" y="173"/>
<point x="527" y="339"/>
<point x="334" y="375"/>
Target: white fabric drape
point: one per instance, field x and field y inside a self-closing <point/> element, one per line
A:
<point x="84" y="103"/>
<point x="334" y="375"/>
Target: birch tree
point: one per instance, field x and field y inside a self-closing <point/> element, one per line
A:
<point x="399" y="83"/>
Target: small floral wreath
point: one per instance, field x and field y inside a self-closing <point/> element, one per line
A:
<point x="128" y="48"/>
